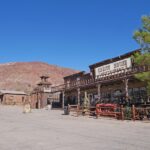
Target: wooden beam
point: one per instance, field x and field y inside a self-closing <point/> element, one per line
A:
<point x="126" y="81"/>
<point x="78" y="90"/>
<point x="63" y="99"/>
<point x="99" y="91"/>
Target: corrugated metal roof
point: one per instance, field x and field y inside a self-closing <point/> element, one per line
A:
<point x="12" y="92"/>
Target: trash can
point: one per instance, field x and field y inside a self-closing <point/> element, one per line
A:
<point x="66" y="110"/>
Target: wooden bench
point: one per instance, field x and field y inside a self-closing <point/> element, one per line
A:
<point x="80" y="111"/>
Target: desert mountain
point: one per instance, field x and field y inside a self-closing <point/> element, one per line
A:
<point x="25" y="76"/>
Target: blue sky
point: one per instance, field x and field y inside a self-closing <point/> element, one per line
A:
<point x="69" y="33"/>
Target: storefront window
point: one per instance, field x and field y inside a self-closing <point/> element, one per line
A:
<point x="137" y="95"/>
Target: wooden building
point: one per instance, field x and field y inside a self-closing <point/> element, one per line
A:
<point x="109" y="81"/>
<point x="40" y="97"/>
<point x="12" y="97"/>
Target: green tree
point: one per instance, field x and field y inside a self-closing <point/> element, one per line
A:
<point x="142" y="36"/>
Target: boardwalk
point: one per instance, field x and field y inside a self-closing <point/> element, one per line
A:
<point x="50" y="130"/>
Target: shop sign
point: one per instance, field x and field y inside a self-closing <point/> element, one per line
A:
<point x="112" y="68"/>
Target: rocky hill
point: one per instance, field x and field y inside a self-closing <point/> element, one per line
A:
<point x="25" y="76"/>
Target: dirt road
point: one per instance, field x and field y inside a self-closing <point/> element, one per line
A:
<point x="50" y="130"/>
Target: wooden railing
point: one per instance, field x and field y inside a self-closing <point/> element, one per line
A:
<point x="58" y="88"/>
<point x="121" y="74"/>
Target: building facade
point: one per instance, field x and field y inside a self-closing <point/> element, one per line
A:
<point x="109" y="81"/>
<point x="40" y="97"/>
<point x="12" y="97"/>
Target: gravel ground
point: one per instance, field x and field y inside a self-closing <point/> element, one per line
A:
<point x="50" y="130"/>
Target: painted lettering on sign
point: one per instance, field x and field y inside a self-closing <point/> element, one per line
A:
<point x="112" y="68"/>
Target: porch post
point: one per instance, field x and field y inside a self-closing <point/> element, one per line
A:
<point x="99" y="91"/>
<point x="78" y="90"/>
<point x="126" y="81"/>
<point x="63" y="99"/>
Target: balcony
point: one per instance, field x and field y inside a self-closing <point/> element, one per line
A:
<point x="118" y="75"/>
